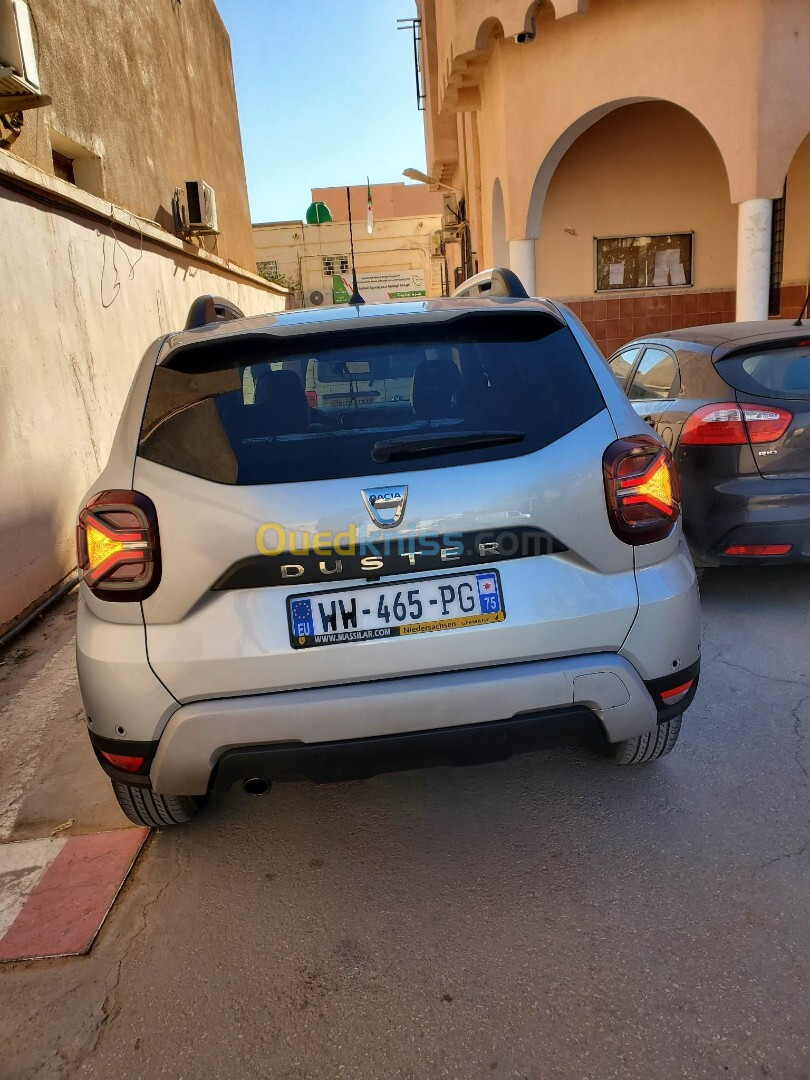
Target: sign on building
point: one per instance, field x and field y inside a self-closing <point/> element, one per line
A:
<point x="380" y="287"/>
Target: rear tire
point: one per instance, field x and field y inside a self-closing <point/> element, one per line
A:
<point x="145" y="807"/>
<point x="647" y="747"/>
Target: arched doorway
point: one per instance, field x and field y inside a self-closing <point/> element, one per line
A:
<point x="794" y="272"/>
<point x="636" y="228"/>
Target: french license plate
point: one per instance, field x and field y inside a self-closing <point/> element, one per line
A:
<point x="372" y="612"/>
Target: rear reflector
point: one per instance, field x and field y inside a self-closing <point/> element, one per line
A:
<point x="642" y="489"/>
<point x="758" y="549"/>
<point x="677" y="692"/>
<point x="118" y="547"/>
<point x="123" y="761"/>
<point x="728" y="423"/>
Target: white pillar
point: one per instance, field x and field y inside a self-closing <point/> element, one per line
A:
<point x="521" y="260"/>
<point x="753" y="259"/>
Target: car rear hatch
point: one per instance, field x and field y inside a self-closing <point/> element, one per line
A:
<point x="775" y="376"/>
<point x="490" y="451"/>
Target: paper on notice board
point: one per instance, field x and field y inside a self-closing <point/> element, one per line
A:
<point x="617" y="274"/>
<point x="677" y="275"/>
<point x="661" y="273"/>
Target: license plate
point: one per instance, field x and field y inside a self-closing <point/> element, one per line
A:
<point x="373" y="612"/>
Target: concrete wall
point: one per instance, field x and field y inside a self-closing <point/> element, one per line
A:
<point x="146" y="87"/>
<point x="620" y="118"/>
<point x="389" y="201"/>
<point x="739" y="66"/>
<point x="396" y="244"/>
<point x="82" y="299"/>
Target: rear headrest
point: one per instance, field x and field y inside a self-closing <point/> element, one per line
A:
<point x="282" y="401"/>
<point x="797" y="376"/>
<point x="436" y="388"/>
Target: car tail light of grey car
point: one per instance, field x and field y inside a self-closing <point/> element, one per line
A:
<point x="118" y="546"/>
<point x="642" y="489"/>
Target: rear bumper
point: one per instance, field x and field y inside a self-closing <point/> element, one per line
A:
<point x="552" y="695"/>
<point x="746" y="510"/>
<point x="357" y="759"/>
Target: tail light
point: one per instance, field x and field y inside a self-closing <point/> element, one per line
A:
<point x="125" y="762"/>
<point x="732" y="424"/>
<point x="312" y="398"/>
<point x="758" y="549"/>
<point x="676" y="693"/>
<point x="118" y="546"/>
<point x="642" y="489"/>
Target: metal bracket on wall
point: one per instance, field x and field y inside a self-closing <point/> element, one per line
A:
<point x="415" y="26"/>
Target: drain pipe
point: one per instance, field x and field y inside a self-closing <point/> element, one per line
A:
<point x="40" y="609"/>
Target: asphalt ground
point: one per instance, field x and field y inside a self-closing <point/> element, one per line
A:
<point x="550" y="917"/>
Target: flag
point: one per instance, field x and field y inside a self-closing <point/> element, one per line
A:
<point x="370" y="218"/>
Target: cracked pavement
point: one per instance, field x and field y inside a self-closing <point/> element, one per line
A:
<point x="547" y="917"/>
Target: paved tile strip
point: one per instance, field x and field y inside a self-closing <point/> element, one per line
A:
<point x="56" y="893"/>
<point x="22" y="867"/>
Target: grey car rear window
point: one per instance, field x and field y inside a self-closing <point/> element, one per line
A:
<point x="256" y="409"/>
<point x="783" y="372"/>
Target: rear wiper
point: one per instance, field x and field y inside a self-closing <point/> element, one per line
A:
<point x="411" y="445"/>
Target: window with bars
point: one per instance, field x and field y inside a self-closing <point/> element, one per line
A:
<point x="777" y="254"/>
<point x="269" y="268"/>
<point x="335" y="264"/>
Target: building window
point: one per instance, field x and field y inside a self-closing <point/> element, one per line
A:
<point x="268" y="269"/>
<point x="76" y="163"/>
<point x="335" y="264"/>
<point x="777" y="254"/>
<point x="63" y="167"/>
<point x="644" y="262"/>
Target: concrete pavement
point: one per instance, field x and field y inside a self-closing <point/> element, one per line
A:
<point x="548" y="917"/>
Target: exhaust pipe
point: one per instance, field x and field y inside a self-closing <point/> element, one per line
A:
<point x="256" y="785"/>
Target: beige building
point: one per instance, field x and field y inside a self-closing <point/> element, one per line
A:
<point x="390" y="200"/>
<point x="94" y="264"/>
<point x="404" y="256"/>
<point x="647" y="161"/>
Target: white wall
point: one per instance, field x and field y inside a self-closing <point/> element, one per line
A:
<point x="81" y="301"/>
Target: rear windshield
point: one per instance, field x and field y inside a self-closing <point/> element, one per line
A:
<point x="273" y="410"/>
<point x="783" y="372"/>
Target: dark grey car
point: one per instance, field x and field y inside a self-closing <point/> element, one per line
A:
<point x="732" y="401"/>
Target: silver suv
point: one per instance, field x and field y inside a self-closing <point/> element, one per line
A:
<point x="486" y="561"/>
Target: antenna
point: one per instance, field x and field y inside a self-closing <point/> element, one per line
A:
<point x="355" y="298"/>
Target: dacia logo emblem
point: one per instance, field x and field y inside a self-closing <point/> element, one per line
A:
<point x="386" y="505"/>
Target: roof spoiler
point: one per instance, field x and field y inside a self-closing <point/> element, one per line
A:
<point x="207" y="310"/>
<point x="495" y="282"/>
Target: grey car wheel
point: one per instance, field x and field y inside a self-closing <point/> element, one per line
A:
<point x="647" y="747"/>
<point x="144" y="807"/>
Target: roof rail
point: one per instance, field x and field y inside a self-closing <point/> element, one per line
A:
<point x="211" y="309"/>
<point x="495" y="282"/>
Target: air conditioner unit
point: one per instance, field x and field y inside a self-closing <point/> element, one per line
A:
<point x="19" y="74"/>
<point x="195" y="208"/>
